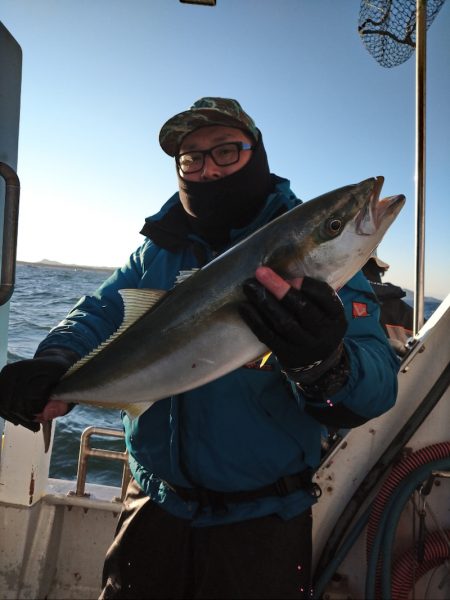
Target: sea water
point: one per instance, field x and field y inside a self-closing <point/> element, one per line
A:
<point x="43" y="296"/>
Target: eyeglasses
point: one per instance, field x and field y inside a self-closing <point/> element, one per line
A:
<point x="223" y="155"/>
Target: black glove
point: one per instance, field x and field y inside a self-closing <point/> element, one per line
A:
<point x="304" y="330"/>
<point x="25" y="385"/>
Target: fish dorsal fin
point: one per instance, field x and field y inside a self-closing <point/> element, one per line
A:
<point x="183" y="275"/>
<point x="136" y="303"/>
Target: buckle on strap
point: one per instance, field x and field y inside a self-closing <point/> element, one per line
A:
<point x="215" y="500"/>
<point x="300" y="481"/>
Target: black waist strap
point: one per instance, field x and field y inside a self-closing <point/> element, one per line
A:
<point x="218" y="500"/>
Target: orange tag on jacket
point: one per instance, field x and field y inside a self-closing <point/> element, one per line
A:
<point x="359" y="309"/>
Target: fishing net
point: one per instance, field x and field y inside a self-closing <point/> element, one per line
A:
<point x="388" y="28"/>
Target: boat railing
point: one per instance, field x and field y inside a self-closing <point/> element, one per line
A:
<point x="87" y="451"/>
<point x="9" y="235"/>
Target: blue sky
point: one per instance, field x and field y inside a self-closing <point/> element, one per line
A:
<point x="101" y="76"/>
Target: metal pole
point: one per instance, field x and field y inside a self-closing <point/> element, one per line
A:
<point x="421" y="32"/>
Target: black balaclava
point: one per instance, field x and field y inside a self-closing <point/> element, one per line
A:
<point x="231" y="202"/>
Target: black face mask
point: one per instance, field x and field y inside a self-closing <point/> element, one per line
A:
<point x="231" y="202"/>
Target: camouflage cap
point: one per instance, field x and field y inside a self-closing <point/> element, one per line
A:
<point x="203" y="113"/>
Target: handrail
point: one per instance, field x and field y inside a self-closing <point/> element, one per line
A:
<point x="86" y="451"/>
<point x="10" y="225"/>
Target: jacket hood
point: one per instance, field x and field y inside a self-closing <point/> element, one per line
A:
<point x="170" y="229"/>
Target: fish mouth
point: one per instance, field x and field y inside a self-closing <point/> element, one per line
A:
<point x="376" y="211"/>
<point x="388" y="206"/>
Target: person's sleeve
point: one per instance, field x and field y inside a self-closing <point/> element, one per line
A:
<point x="371" y="388"/>
<point x="95" y="317"/>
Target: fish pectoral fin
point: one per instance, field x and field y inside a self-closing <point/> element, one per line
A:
<point x="46" y="428"/>
<point x="136" y="410"/>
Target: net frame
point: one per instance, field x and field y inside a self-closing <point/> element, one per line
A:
<point x="388" y="28"/>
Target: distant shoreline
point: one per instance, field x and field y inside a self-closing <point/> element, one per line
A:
<point x="57" y="265"/>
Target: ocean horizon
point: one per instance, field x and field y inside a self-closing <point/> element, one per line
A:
<point x="409" y="298"/>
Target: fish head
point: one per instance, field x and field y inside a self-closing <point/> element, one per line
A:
<point x="338" y="233"/>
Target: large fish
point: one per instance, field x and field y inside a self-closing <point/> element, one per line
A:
<point x="171" y="342"/>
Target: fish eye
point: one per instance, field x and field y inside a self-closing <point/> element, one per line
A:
<point x="333" y="226"/>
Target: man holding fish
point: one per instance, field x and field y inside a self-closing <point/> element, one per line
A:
<point x="224" y="341"/>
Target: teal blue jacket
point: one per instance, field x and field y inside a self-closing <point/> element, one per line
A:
<point x="245" y="430"/>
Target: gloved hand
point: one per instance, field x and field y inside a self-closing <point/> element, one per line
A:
<point x="303" y="327"/>
<point x="26" y="385"/>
